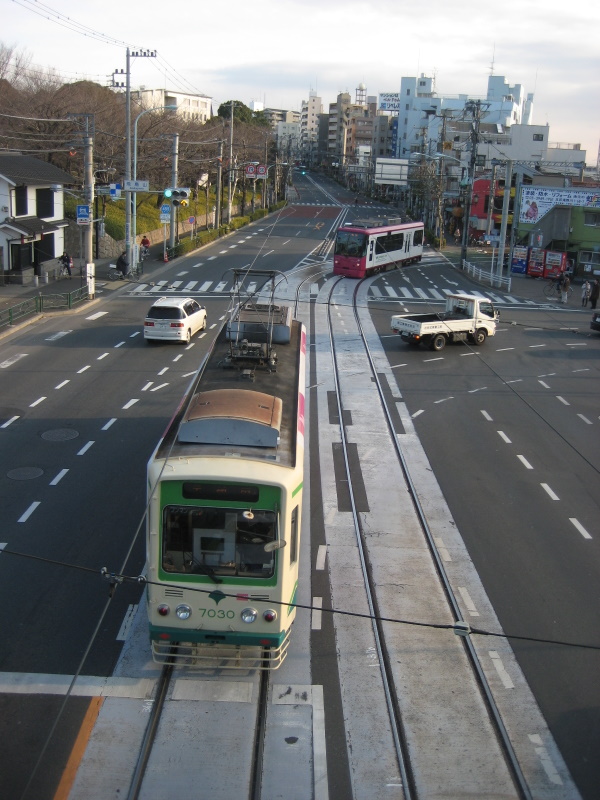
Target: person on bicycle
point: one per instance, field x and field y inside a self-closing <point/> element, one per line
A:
<point x="66" y="261"/>
<point x="123" y="263"/>
<point x="145" y="244"/>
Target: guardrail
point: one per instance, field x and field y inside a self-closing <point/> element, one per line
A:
<point x="481" y="275"/>
<point x="41" y="303"/>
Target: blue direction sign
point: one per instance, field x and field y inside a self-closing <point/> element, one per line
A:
<point x="83" y="215"/>
<point x="165" y="208"/>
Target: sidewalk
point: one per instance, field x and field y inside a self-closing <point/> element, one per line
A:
<point x="12" y="294"/>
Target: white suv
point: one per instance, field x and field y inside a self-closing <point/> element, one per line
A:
<point x="174" y="319"/>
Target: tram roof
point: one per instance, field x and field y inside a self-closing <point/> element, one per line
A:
<point x="226" y="413"/>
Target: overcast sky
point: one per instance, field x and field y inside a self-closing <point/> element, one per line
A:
<point x="276" y="52"/>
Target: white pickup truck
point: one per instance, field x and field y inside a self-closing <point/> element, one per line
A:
<point x="466" y="318"/>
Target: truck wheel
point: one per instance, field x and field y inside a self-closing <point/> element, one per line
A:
<point x="479" y="337"/>
<point x="438" y="342"/>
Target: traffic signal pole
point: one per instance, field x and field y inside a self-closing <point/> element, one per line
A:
<point x="174" y="183"/>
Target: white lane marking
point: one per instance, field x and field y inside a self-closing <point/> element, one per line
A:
<point x="58" y="335"/>
<point x="10" y="421"/>
<point x="205" y="285"/>
<point x="481" y="389"/>
<point x="24" y="517"/>
<point x="147" y="386"/>
<point x="109" y="423"/>
<point x="532" y="346"/>
<point x="575" y="344"/>
<point x="10" y="361"/>
<point x="428" y="360"/>
<point x="504" y="349"/>
<point x="321" y="786"/>
<point x="163" y="370"/>
<point x="486" y="416"/>
<point x="188" y="374"/>
<point x="85" y="686"/>
<point x="97" y="315"/>
<point x="562" y="400"/>
<point x="199" y="264"/>
<point x="549" y="491"/>
<point x="120" y="344"/>
<point x="178" y="357"/>
<point x="131" y="403"/>
<point x="134" y="334"/>
<point x="317" y="603"/>
<point x="443" y="400"/>
<point x="501" y="670"/>
<point x="85" y="448"/>
<point x="547" y="763"/>
<point x="127" y="623"/>
<point x="83" y="369"/>
<point x="60" y="385"/>
<point x="544" y="384"/>
<point x="102" y="356"/>
<point x="504" y="437"/>
<point x="268" y="254"/>
<point x="160" y="386"/>
<point x="578" y="526"/>
<point x="321" y="556"/>
<point x="59" y="477"/>
<point x="442" y="549"/>
<point x="585" y="419"/>
<point x="179" y="274"/>
<point x="468" y="602"/>
<point x="417" y="413"/>
<point x="524" y="461"/>
<point x="399" y="365"/>
<point x="37" y="402"/>
<point x="516" y="380"/>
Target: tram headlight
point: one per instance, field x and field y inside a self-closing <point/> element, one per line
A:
<point x="163" y="609"/>
<point x="183" y="611"/>
<point x="249" y="615"/>
<point x="270" y="615"/>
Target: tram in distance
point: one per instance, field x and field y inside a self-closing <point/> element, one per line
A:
<point x="225" y="500"/>
<point x="365" y="247"/>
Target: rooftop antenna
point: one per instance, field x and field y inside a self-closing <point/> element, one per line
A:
<point x="493" y="59"/>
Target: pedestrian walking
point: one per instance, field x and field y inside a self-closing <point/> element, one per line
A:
<point x="564" y="288"/>
<point x="67" y="262"/>
<point x="457" y="235"/>
<point x="585" y="293"/>
<point x="594" y="292"/>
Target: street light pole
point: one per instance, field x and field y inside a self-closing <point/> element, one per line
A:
<point x="134" y="193"/>
<point x="229" y="174"/>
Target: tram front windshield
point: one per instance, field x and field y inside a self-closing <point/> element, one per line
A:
<point x="219" y="541"/>
<point x="349" y="243"/>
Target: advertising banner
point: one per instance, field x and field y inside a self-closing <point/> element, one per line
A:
<point x="538" y="200"/>
<point x="389" y="101"/>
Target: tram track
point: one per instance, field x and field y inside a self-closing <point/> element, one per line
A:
<point x="409" y="784"/>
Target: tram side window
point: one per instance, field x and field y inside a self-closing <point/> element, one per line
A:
<point x="418" y="237"/>
<point x="218" y="541"/>
<point x="294" y="536"/>
<point x="389" y="243"/>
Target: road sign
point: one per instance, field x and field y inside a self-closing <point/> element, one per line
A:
<point x="164" y="218"/>
<point x="250" y="170"/>
<point x="165" y="208"/>
<point x="137" y="186"/>
<point x="115" y="190"/>
<point x="191" y="220"/>
<point x="83" y="215"/>
<point x="261" y="171"/>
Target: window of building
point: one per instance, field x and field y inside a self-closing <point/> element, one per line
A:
<point x="538" y="137"/>
<point x="591" y="218"/>
<point x="44" y="201"/>
<point x="408" y="91"/>
<point x="589" y="257"/>
<point x="21" y="207"/>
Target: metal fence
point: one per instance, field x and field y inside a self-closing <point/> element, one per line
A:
<point x="41" y="303"/>
<point x="483" y="276"/>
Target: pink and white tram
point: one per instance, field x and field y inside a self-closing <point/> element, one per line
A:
<point x="366" y="247"/>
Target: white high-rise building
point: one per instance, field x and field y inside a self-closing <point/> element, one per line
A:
<point x="309" y="127"/>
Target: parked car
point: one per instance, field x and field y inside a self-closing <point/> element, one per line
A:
<point x="174" y="319"/>
<point x="595" y="323"/>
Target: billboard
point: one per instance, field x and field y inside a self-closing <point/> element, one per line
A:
<point x="538" y="200"/>
<point x="389" y="101"/>
<point x="392" y="170"/>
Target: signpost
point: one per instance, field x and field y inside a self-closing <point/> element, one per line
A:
<point x="83" y="215"/>
<point x="137" y="186"/>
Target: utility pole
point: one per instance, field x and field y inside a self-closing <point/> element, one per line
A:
<point x="219" y="187"/>
<point x="475" y="109"/>
<point x="174" y="179"/>
<point x="230" y="171"/>
<point x="503" y="225"/>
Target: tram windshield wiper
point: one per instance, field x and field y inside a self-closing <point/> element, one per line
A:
<point x="204" y="568"/>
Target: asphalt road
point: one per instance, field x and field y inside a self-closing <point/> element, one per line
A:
<point x="512" y="432"/>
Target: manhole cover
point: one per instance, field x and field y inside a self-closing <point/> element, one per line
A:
<point x="60" y="435"/>
<point x="25" y="473"/>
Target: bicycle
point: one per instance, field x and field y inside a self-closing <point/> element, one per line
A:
<point x="63" y="270"/>
<point x="114" y="274"/>
<point x="553" y="290"/>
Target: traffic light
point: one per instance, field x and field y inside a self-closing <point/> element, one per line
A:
<point x="180" y="197"/>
